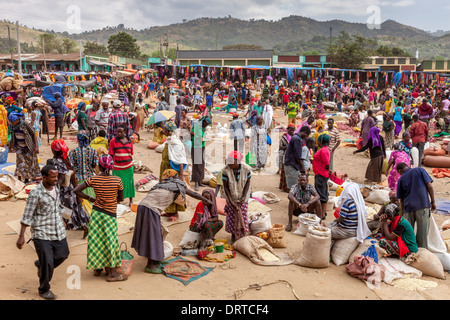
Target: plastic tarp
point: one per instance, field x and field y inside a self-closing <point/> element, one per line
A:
<point x="85" y="84"/>
<point x="48" y="92"/>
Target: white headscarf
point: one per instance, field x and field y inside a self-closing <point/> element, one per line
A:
<point x="352" y="192"/>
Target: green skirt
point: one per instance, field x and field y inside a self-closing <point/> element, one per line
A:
<point x="103" y="250"/>
<point x="127" y="177"/>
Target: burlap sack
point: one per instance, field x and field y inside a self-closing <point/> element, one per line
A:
<point x="276" y="236"/>
<point x="425" y="261"/>
<point x="342" y="250"/>
<point x="316" y="248"/>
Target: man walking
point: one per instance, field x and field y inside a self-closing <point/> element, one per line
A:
<point x="43" y="214"/>
<point x="416" y="195"/>
<point x="237" y="133"/>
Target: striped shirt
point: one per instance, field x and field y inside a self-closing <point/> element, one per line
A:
<point x="334" y="138"/>
<point x="350" y="215"/>
<point x="106" y="190"/>
<point x="122" y="154"/>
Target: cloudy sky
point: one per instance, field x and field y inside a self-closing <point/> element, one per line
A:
<point x="77" y="16"/>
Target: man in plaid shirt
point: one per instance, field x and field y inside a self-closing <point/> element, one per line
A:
<point x="117" y="118"/>
<point x="43" y="214"/>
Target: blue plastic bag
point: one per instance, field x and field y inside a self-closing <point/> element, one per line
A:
<point x="269" y="140"/>
<point x="372" y="252"/>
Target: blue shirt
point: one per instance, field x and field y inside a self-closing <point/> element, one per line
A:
<point x="412" y="189"/>
<point x="294" y="152"/>
<point x="209" y="100"/>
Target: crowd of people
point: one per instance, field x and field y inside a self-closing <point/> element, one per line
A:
<point x="100" y="171"/>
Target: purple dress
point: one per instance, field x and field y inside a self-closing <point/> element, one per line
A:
<point x="398" y="157"/>
<point x="366" y="125"/>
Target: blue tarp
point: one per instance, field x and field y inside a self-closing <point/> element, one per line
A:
<point x="48" y="92"/>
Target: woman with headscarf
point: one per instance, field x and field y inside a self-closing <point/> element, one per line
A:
<point x="397" y="156"/>
<point x="103" y="250"/>
<point x="67" y="182"/>
<point x="173" y="157"/>
<point x="121" y="149"/>
<point x="84" y="160"/>
<point x="366" y="125"/>
<point x="206" y="219"/>
<point x="352" y="221"/>
<point x="377" y="150"/>
<point x="24" y="143"/>
<point x="142" y="113"/>
<point x="284" y="142"/>
<point x="36" y="121"/>
<point x="236" y="177"/>
<point x="82" y="119"/>
<point x="198" y="150"/>
<point x="258" y="143"/>
<point x="320" y="130"/>
<point x="388" y="129"/>
<point x="148" y="238"/>
<point x="320" y="111"/>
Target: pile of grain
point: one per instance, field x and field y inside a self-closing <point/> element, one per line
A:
<point x="408" y="283"/>
<point x="266" y="255"/>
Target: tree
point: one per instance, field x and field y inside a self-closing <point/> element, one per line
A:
<point x="349" y="52"/>
<point x="92" y="47"/>
<point x="124" y="45"/>
<point x="68" y="45"/>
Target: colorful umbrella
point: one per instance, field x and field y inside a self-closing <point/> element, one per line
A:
<point x="73" y="104"/>
<point x="161" y="116"/>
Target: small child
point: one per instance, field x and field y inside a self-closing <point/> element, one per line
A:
<point x="100" y="141"/>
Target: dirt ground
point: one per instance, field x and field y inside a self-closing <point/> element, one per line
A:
<point x="20" y="282"/>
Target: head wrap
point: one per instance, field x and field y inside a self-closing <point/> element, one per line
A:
<point x="169" y="173"/>
<point x="58" y="94"/>
<point x="352" y="192"/>
<point x="14" y="116"/>
<point x="398" y="146"/>
<point x="60" y="146"/>
<point x="170" y="126"/>
<point x="319" y="124"/>
<point x="236" y="155"/>
<point x="235" y="115"/>
<point x="374" y="134"/>
<point x="106" y="162"/>
<point x="10" y="99"/>
<point x="81" y="105"/>
<point x="324" y="139"/>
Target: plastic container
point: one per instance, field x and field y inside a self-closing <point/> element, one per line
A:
<point x="218" y="248"/>
<point x="190" y="252"/>
<point x="4" y="155"/>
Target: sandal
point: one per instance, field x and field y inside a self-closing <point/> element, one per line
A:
<point x="120" y="277"/>
<point x="173" y="219"/>
<point x="97" y="272"/>
<point x="153" y="270"/>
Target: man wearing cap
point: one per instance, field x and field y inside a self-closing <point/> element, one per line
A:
<point x="117" y="118"/>
<point x="57" y="107"/>
<point x="237" y="133"/>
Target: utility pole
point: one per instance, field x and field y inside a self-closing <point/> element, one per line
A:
<point x="81" y="59"/>
<point x="18" y="49"/>
<point x="43" y="49"/>
<point x="10" y="47"/>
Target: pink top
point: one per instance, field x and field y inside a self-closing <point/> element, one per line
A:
<point x="321" y="160"/>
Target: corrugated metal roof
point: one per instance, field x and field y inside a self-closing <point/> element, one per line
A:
<point x="224" y="54"/>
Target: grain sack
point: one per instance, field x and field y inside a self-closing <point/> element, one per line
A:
<point x="434" y="152"/>
<point x="397" y="269"/>
<point x="267" y="197"/>
<point x="252" y="247"/>
<point x="276" y="236"/>
<point x="342" y="250"/>
<point x="259" y="222"/>
<point x="437" y="161"/>
<point x="316" y="248"/>
<point x="425" y="261"/>
<point x="305" y="221"/>
<point x="378" y="196"/>
<point x="153" y="145"/>
<point x="363" y="247"/>
<point x="191" y="240"/>
<point x="168" y="250"/>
